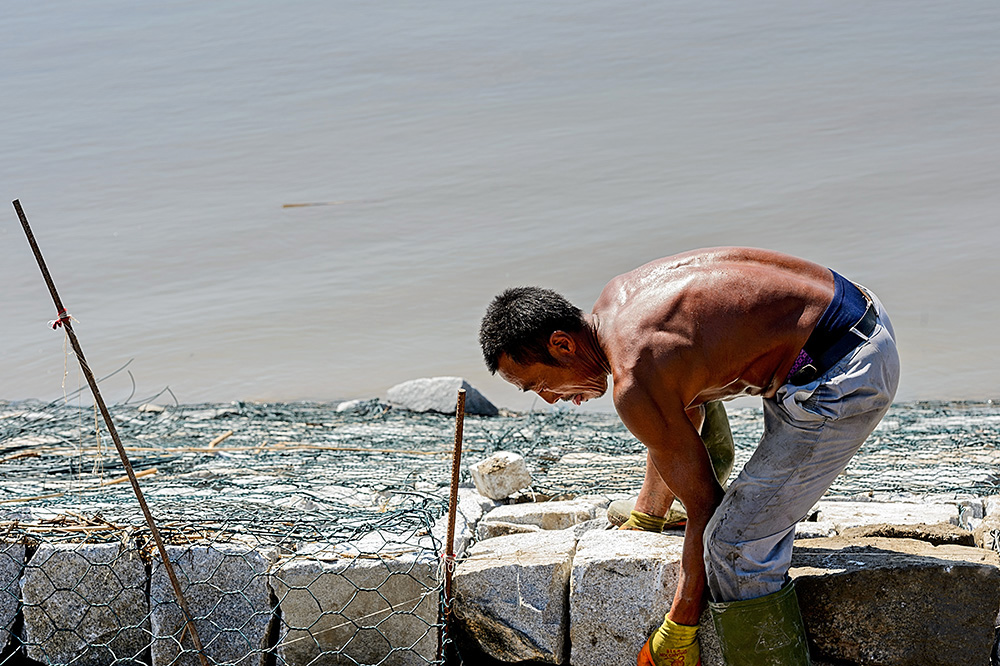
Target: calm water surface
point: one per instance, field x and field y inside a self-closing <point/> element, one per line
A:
<point x="463" y="148"/>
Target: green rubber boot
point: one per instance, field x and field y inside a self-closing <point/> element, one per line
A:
<point x="767" y="631"/>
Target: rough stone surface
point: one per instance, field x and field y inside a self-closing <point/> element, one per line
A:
<point x="85" y="604"/>
<point x="470" y="510"/>
<point x="813" y="529"/>
<point x="359" y="608"/>
<point x="510" y="595"/>
<point x="501" y="475"/>
<point x="852" y="514"/>
<point x="987" y="533"/>
<point x="600" y="501"/>
<point x="939" y="535"/>
<point x="598" y="523"/>
<point x="11" y="565"/>
<point x="970" y="513"/>
<point x="489" y="529"/>
<point x="622" y="584"/>
<point x="225" y="586"/>
<point x="439" y="394"/>
<point x="897" y="602"/>
<point x="546" y="515"/>
<point x="991" y="505"/>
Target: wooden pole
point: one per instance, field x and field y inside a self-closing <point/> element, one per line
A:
<point x="63" y="319"/>
<point x="449" y="546"/>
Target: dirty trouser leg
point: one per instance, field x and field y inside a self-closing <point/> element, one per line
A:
<point x="810" y="434"/>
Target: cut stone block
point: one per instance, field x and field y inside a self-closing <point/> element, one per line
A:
<point x="853" y="514"/>
<point x="471" y="508"/>
<point x="939" y="535"/>
<point x="546" y="515"/>
<point x="599" y="523"/>
<point x="369" y="609"/>
<point x="501" y="475"/>
<point x="510" y="595"/>
<point x="623" y="583"/>
<point x="488" y="529"/>
<point x="225" y="586"/>
<point x="11" y="566"/>
<point x="439" y="394"/>
<point x="85" y="604"/>
<point x="897" y="602"/>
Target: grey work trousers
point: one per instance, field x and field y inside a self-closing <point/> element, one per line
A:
<point x="810" y="434"/>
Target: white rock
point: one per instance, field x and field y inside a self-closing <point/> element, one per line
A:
<point x="991" y="505"/>
<point x="11" y="566"/>
<point x="366" y="609"/>
<point x="813" y="529"/>
<point x="501" y="475"/>
<point x="510" y="595"/>
<point x="150" y="407"/>
<point x="350" y="405"/>
<point x="439" y="394"/>
<point x="853" y="514"/>
<point x="987" y="533"/>
<point x="85" y="603"/>
<point x="225" y="585"/>
<point x="546" y="515"/>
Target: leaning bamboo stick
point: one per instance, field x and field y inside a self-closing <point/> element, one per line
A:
<point x="63" y="319"/>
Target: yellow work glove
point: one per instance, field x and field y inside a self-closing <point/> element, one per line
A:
<point x="671" y="645"/>
<point x="644" y="522"/>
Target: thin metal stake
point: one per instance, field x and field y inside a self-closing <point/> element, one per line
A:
<point x="449" y="546"/>
<point x="63" y="319"/>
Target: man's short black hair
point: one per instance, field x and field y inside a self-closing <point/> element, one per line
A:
<point x="520" y="321"/>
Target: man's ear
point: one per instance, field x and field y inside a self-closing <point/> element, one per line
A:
<point x="561" y="344"/>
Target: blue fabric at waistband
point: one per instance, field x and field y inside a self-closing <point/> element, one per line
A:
<point x="847" y="307"/>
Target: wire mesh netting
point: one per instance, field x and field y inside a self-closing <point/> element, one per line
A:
<point x="304" y="535"/>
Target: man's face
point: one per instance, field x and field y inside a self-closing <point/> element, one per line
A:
<point x="567" y="381"/>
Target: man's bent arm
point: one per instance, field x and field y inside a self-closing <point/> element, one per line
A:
<point x="655" y="497"/>
<point x="679" y="455"/>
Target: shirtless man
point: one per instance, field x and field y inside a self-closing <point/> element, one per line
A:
<point x="701" y="326"/>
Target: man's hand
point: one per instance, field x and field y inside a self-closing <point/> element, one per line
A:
<point x="671" y="645"/>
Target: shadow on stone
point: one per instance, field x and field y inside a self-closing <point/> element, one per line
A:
<point x="897" y="601"/>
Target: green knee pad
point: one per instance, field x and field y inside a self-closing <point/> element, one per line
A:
<point x="767" y="631"/>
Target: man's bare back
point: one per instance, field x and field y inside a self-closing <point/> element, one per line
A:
<point x="711" y="324"/>
<point x="698" y="327"/>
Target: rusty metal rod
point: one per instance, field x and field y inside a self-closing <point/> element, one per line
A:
<point x="62" y="318"/>
<point x="449" y="546"/>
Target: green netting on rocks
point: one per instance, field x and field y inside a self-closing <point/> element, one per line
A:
<point x="304" y="535"/>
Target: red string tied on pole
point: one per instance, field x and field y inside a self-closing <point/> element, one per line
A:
<point x="62" y="319"/>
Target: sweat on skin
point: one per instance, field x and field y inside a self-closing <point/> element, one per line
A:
<point x="674" y="334"/>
